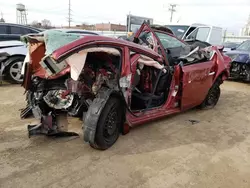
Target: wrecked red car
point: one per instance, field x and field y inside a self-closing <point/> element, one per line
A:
<point x="115" y="84"/>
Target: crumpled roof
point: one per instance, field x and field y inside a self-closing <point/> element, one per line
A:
<point x="53" y="39"/>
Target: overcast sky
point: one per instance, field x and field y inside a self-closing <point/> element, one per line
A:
<point x="230" y="14"/>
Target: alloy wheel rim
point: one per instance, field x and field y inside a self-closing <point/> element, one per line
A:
<point x="15" y="71"/>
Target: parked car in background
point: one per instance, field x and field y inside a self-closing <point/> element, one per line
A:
<point x="240" y="65"/>
<point x="228" y="46"/>
<point x="115" y="84"/>
<point x="198" y="32"/>
<point x="12" y="50"/>
<point x="12" y="54"/>
<point x="9" y="31"/>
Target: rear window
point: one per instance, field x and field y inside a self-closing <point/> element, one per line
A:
<point x="21" y="30"/>
<point x="3" y="29"/>
<point x="179" y="30"/>
<point x="25" y="31"/>
<point x="15" y="30"/>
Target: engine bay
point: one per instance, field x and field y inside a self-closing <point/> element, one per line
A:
<point x="74" y="96"/>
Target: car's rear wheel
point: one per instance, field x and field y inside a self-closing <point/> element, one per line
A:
<point x="212" y="97"/>
<point x="108" y="126"/>
<point x="13" y="70"/>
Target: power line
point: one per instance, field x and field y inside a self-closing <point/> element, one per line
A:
<point x="172" y="10"/>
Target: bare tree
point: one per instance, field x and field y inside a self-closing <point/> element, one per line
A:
<point x="35" y="23"/>
<point x="2" y="20"/>
<point x="46" y="24"/>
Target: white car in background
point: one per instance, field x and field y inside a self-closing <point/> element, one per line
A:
<point x="205" y="33"/>
<point x="12" y="54"/>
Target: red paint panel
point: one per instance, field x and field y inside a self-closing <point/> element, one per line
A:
<point x="197" y="80"/>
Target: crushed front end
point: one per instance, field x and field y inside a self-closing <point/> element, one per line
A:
<point x="56" y="88"/>
<point x="240" y="66"/>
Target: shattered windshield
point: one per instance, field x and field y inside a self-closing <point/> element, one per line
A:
<point x="169" y="41"/>
<point x="245" y="46"/>
<point x="179" y="30"/>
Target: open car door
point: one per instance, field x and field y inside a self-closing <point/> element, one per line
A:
<point x="147" y="37"/>
<point x="149" y="94"/>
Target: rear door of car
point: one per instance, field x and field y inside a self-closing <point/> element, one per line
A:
<point x="197" y="79"/>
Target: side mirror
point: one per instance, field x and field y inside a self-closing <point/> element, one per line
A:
<point x="233" y="48"/>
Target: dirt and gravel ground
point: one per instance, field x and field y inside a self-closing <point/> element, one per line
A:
<point x="168" y="153"/>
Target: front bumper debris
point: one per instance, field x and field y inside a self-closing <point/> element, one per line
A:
<point x="51" y="125"/>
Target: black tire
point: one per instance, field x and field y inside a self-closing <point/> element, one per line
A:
<point x="108" y="126"/>
<point x="212" y="97"/>
<point x="16" y="63"/>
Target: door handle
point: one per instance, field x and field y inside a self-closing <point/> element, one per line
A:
<point x="211" y="73"/>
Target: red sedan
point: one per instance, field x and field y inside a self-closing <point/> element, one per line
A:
<point x="115" y="84"/>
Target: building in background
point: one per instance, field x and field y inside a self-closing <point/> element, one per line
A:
<point x="110" y="27"/>
<point x="246" y="30"/>
<point x="85" y="27"/>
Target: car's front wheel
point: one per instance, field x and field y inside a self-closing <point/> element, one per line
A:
<point x="13" y="70"/>
<point x="212" y="97"/>
<point x="109" y="123"/>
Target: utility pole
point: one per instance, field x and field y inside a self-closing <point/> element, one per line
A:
<point x="225" y="35"/>
<point x="172" y="10"/>
<point x="69" y="13"/>
<point x="129" y="21"/>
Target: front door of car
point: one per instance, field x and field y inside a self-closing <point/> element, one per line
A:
<point x="197" y="80"/>
<point x="147" y="37"/>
